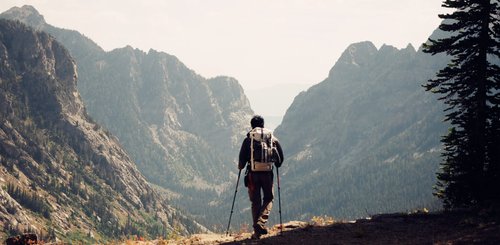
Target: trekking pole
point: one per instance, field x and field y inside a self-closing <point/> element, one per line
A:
<point x="279" y="198"/>
<point x="232" y="206"/>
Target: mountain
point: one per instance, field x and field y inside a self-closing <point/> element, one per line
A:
<point x="62" y="175"/>
<point x="366" y="139"/>
<point x="182" y="130"/>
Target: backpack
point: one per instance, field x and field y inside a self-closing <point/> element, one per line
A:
<point x="261" y="150"/>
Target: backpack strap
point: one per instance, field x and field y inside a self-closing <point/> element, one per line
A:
<point x="262" y="140"/>
<point x="271" y="140"/>
<point x="251" y="148"/>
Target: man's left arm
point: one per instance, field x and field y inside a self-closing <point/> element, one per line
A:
<point x="280" y="153"/>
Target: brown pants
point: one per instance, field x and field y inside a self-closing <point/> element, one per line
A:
<point x="261" y="207"/>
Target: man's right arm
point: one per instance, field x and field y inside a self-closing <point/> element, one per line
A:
<point x="244" y="154"/>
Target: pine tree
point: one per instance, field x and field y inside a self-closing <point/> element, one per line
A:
<point x="470" y="89"/>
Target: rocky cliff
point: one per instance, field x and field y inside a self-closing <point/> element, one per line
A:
<point x="61" y="175"/>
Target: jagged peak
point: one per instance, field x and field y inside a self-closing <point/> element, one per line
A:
<point x="357" y="51"/>
<point x="391" y="49"/>
<point x="227" y="82"/>
<point x="361" y="53"/>
<point x="131" y="49"/>
<point x="410" y="48"/>
<point x="355" y="55"/>
<point x="154" y="52"/>
<point x="227" y="79"/>
<point x="128" y="51"/>
<point x="387" y="48"/>
<point x="26" y="14"/>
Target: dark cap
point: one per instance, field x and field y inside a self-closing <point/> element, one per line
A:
<point x="257" y="121"/>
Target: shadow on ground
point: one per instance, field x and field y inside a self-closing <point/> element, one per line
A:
<point x="420" y="228"/>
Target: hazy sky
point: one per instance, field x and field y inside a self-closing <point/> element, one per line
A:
<point x="259" y="42"/>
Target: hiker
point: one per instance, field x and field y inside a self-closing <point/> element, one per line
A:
<point x="259" y="151"/>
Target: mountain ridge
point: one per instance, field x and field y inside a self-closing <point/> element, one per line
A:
<point x="50" y="148"/>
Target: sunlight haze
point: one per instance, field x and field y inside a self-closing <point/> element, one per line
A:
<point x="260" y="43"/>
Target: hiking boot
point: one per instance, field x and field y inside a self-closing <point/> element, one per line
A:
<point x="260" y="229"/>
<point x="256" y="236"/>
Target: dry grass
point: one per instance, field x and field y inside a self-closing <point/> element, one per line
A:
<point x="322" y="220"/>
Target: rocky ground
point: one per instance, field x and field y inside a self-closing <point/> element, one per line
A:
<point x="418" y="228"/>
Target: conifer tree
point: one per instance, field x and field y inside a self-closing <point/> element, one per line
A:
<point x="470" y="87"/>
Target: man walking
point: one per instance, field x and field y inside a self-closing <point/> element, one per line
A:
<point x="259" y="151"/>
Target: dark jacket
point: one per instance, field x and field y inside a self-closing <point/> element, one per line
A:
<point x="245" y="152"/>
